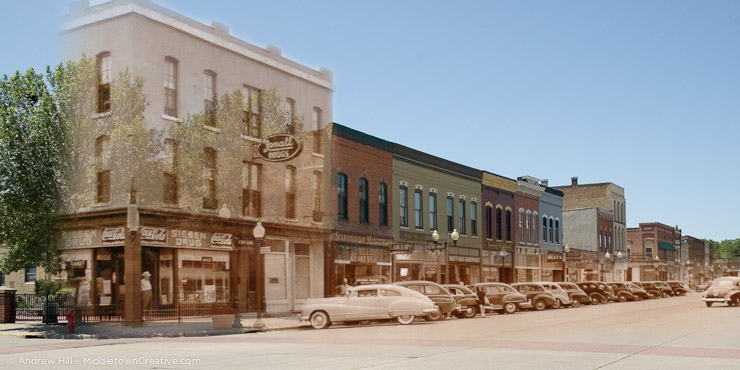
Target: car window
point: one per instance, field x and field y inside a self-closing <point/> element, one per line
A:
<point x="455" y="291"/>
<point x="492" y="289"/>
<point x="431" y="289"/>
<point x="389" y="293"/>
<point x="362" y="293"/>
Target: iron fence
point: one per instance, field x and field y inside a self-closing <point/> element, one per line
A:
<point x="35" y="307"/>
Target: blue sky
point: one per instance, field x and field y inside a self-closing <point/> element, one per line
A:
<point x="642" y="94"/>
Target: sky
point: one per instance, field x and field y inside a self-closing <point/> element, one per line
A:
<point x="644" y="94"/>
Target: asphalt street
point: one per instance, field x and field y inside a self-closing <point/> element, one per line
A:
<point x="670" y="333"/>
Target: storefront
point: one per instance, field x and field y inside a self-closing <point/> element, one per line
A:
<point x="528" y="264"/>
<point x="361" y="259"/>
<point x="581" y="265"/>
<point x="552" y="266"/>
<point x="497" y="262"/>
<point x="464" y="265"/>
<point x="420" y="263"/>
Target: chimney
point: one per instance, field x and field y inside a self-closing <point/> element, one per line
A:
<point x="574" y="181"/>
<point x="544" y="182"/>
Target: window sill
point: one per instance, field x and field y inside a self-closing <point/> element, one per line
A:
<point x="317" y="155"/>
<point x="100" y="115"/>
<point x="171" y="118"/>
<point x="251" y="138"/>
<point x="101" y="205"/>
<point x="211" y="128"/>
<point x="404" y="227"/>
<point x="170" y="205"/>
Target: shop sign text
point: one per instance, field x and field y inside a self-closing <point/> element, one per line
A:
<point x="279" y="147"/>
<point x="114" y="235"/>
<point x="221" y="240"/>
<point x="79" y="239"/>
<point x="187" y="238"/>
<point x="156" y="235"/>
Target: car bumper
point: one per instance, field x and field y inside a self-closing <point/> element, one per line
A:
<point x="715" y="299"/>
<point x="430" y="310"/>
<point x="302" y="318"/>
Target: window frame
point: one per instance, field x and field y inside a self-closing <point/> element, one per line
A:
<point x="251" y="189"/>
<point x="473" y="218"/>
<point x="383" y="204"/>
<point x="342" y="184"/>
<point x="432" y="210"/>
<point x="103" y="66"/>
<point x="171" y="86"/>
<point x="418" y="209"/>
<point x="461" y="209"/>
<point x="403" y="192"/>
<point x="28" y="276"/>
<point x="450" y="214"/>
<point x="363" y="198"/>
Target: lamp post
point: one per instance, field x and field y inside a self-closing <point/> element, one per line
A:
<point x="566" y="249"/>
<point x="442" y="246"/>
<point x="259" y="234"/>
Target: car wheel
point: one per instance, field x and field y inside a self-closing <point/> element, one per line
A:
<point x="405" y="319"/>
<point x="575" y="302"/>
<point x="603" y="300"/>
<point x="709" y="304"/>
<point x="539" y="305"/>
<point x="435" y="316"/>
<point x="557" y="304"/>
<point x="469" y="313"/>
<point x="320" y="320"/>
<point x="510" y="308"/>
<point x="594" y="298"/>
<point x="622" y="297"/>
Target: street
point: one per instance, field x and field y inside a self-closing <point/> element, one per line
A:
<point x="675" y="333"/>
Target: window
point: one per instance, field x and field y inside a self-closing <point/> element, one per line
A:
<point x="535" y="229"/>
<point x="473" y="218"/>
<point x="363" y="200"/>
<point x="317" y="137"/>
<point x="383" y="203"/>
<point x="2" y="279"/>
<point x="102" y="153"/>
<point x="104" y="79"/>
<point x="557" y="231"/>
<point x="461" y="215"/>
<point x="508" y="224"/>
<point x="170" y="86"/>
<point x="342" y="196"/>
<point x="403" y="212"/>
<point x="251" y="185"/>
<point x="290" y="108"/>
<point x="169" y="191"/>
<point x="318" y="181"/>
<point x="544" y="229"/>
<point x="30" y="274"/>
<point x="489" y="220"/>
<point x="526" y="223"/>
<point x="450" y="214"/>
<point x="521" y="226"/>
<point x="551" y="229"/>
<point x="209" y="163"/>
<point x="499" y="234"/>
<point x="210" y="98"/>
<point x="432" y="211"/>
<point x="252" y="111"/>
<point x="418" y="214"/>
<point x="290" y="192"/>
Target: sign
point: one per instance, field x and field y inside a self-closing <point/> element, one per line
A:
<point x="362" y="258"/>
<point x="264" y="250"/>
<point x="114" y="235"/>
<point x="77" y="239"/>
<point x="554" y="257"/>
<point x="279" y="147"/>
<point x="467" y="259"/>
<point x="362" y="239"/>
<point x="221" y="240"/>
<point x="153" y="235"/>
<point x="187" y="238"/>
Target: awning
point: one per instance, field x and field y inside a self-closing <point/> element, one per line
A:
<point x="666" y="246"/>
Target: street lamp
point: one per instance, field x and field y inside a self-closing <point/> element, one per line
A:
<point x="259" y="234"/>
<point x="566" y="249"/>
<point x="442" y="246"/>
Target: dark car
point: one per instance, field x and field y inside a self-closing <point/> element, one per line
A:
<point x="503" y="297"/>
<point x="623" y="292"/>
<point x="665" y="289"/>
<point x="576" y="294"/>
<point x="650" y="288"/>
<point x="538" y="297"/>
<point x="437" y="293"/>
<point x="596" y="291"/>
<point x="638" y="291"/>
<point x="467" y="300"/>
<point x="678" y="287"/>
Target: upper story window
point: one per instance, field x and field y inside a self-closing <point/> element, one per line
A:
<point x="488" y="220"/>
<point x="209" y="98"/>
<point x="521" y="226"/>
<point x="104" y="80"/>
<point x="252" y="114"/>
<point x="508" y="225"/>
<point x="363" y="195"/>
<point x="318" y="181"/>
<point x="551" y="231"/>
<point x="383" y="203"/>
<point x="30" y="274"/>
<point x="251" y="189"/>
<point x="403" y="201"/>
<point x="210" y="200"/>
<point x="557" y="231"/>
<point x="461" y="215"/>
<point x="499" y="223"/>
<point x="418" y="209"/>
<point x="169" y="191"/>
<point x="170" y="86"/>
<point x="450" y="214"/>
<point x="2" y="279"/>
<point x="432" y="211"/>
<point x="290" y="108"/>
<point x="290" y="191"/>
<point x="317" y="137"/>
<point x="544" y="229"/>
<point x="342" y="196"/>
<point x="473" y="218"/>
<point x="102" y="153"/>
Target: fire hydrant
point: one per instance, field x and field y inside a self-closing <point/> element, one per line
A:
<point x="71" y="321"/>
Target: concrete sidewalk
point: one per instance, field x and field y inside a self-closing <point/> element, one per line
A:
<point x="148" y="329"/>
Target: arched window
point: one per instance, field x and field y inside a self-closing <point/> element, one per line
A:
<point x="551" y="229"/>
<point x="557" y="231"/>
<point x="383" y="202"/>
<point x="508" y="225"/>
<point x="489" y="220"/>
<point x="363" y="200"/>
<point x="521" y="226"/>
<point x="342" y="196"/>
<point x="544" y="229"/>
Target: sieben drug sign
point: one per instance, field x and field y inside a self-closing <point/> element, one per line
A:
<point x="279" y="147"/>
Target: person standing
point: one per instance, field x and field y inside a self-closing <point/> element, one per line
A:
<point x="481" y="301"/>
<point x="146" y="292"/>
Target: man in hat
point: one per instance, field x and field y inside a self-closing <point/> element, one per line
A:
<point x="146" y="291"/>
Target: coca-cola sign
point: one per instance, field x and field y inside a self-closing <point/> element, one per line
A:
<point x="279" y="147"/>
<point x="221" y="240"/>
<point x="114" y="235"/>
<point x="153" y="235"/>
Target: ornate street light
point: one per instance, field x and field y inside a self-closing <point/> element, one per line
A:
<point x="619" y="254"/>
<point x="607" y="255"/>
<point x="259" y="234"/>
<point x="442" y="246"/>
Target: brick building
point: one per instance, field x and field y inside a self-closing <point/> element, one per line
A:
<point x="498" y="228"/>
<point x="654" y="250"/>
<point x="528" y="254"/>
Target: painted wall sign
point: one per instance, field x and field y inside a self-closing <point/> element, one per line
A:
<point x="188" y="238"/>
<point x="362" y="239"/>
<point x="221" y="240"/>
<point x="114" y="236"/>
<point x="154" y="235"/>
<point x="279" y="147"/>
<point x="76" y="239"/>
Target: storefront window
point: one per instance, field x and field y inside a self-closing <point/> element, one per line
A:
<point x="204" y="276"/>
<point x="362" y="265"/>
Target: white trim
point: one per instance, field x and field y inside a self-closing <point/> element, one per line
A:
<point x="403" y="183"/>
<point x="418" y="187"/>
<point x="432" y="190"/>
<point x="461" y="196"/>
<point x="171" y="118"/>
<point x="211" y="128"/>
<point x="250" y="138"/>
<point x="450" y="194"/>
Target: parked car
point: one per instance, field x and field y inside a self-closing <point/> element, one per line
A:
<point x="576" y="294"/>
<point x="437" y="293"/>
<point x="368" y="302"/>
<point x="638" y="290"/>
<point x="624" y="292"/>
<point x="650" y="288"/>
<point x="538" y="297"/>
<point x="678" y="287"/>
<point x="467" y="300"/>
<point x="723" y="290"/>
<point x="561" y="296"/>
<point x="665" y="289"/>
<point x="596" y="291"/>
<point x="703" y="286"/>
<point x="504" y="298"/>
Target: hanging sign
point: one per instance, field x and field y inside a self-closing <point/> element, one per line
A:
<point x="279" y="147"/>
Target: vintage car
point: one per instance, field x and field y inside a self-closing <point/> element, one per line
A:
<point x="703" y="286"/>
<point x="652" y="290"/>
<point x="561" y="296"/>
<point x="538" y="297"/>
<point x="678" y="287"/>
<point x="368" y="302"/>
<point x="665" y="289"/>
<point x="467" y="300"/>
<point x="723" y="290"/>
<point x="637" y="290"/>
<point x="441" y="297"/>
<point x="576" y="294"/>
<point x="597" y="291"/>
<point x="624" y="292"/>
<point x="504" y="299"/>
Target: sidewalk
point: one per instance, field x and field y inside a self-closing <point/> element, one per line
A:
<point x="148" y="329"/>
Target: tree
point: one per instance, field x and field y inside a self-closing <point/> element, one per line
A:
<point x="49" y="131"/>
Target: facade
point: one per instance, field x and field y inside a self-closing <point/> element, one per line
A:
<point x="497" y="256"/>
<point x="699" y="264"/>
<point x="23" y="281"/>
<point x="551" y="233"/>
<point x="528" y="254"/>
<point x="654" y="251"/>
<point x="362" y="224"/>
<point x="199" y="251"/>
<point x="432" y="193"/>
<point x="583" y="236"/>
<point x="608" y="196"/>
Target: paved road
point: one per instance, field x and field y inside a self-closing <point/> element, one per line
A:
<point x="674" y="333"/>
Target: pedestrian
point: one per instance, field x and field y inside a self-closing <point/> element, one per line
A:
<point x="344" y="288"/>
<point x="482" y="301"/>
<point x="146" y="292"/>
